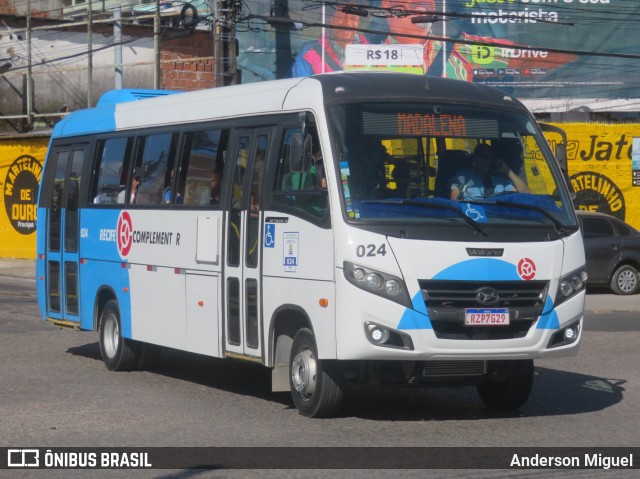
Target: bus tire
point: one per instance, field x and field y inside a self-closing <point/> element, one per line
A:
<point x="118" y="353"/>
<point x="314" y="388"/>
<point x="510" y="388"/>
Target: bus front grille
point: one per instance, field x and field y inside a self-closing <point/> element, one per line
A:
<point x="446" y="302"/>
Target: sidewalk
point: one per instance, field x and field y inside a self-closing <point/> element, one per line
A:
<point x="18" y="268"/>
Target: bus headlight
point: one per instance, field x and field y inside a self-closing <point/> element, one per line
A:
<point x="393" y="287"/>
<point x="564" y="336"/>
<point x="571" y="284"/>
<point x="387" y="337"/>
<point x="376" y="282"/>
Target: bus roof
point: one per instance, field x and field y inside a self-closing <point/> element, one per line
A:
<point x="126" y="109"/>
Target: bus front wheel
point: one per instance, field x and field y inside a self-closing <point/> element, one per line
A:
<point x="118" y="353"/>
<point x="314" y="388"/>
<point x="507" y="386"/>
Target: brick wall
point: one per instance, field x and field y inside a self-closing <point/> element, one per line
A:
<point x="39" y="8"/>
<point x="187" y="62"/>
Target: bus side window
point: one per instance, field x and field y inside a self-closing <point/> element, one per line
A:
<point x="154" y="160"/>
<point x="201" y="167"/>
<point x="110" y="174"/>
<point x="304" y="191"/>
<point x="253" y="224"/>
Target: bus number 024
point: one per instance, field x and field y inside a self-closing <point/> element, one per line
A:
<point x="370" y="250"/>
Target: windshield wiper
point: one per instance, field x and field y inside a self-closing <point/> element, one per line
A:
<point x="559" y="228"/>
<point x="437" y="206"/>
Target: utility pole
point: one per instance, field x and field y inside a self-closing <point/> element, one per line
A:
<point x="218" y="60"/>
<point x="29" y="85"/>
<point x="283" y="40"/>
<point x="156" y="46"/>
<point x="232" y="42"/>
<point x="225" y="71"/>
<point x="117" y="40"/>
<point x="89" y="55"/>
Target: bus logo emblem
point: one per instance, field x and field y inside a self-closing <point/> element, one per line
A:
<point x="124" y="234"/>
<point x="487" y="296"/>
<point x="526" y="269"/>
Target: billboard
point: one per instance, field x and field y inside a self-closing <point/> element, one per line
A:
<point x="557" y="55"/>
<point x="21" y="163"/>
<point x="603" y="166"/>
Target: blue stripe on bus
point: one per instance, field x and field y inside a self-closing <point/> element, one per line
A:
<point x="102" y="118"/>
<point x="549" y="318"/>
<point x="82" y="122"/>
<point x="95" y="274"/>
<point x="418" y="317"/>
<point x="99" y="241"/>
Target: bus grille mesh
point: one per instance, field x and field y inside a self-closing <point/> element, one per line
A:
<point x="446" y="302"/>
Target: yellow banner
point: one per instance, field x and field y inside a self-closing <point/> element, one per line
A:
<point x="21" y="164"/>
<point x="601" y="168"/>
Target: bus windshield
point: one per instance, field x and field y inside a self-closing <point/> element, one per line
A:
<point x="424" y="163"/>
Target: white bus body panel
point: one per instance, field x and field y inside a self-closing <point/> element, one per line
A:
<point x="173" y="266"/>
<point x="421" y="259"/>
<point x="240" y="101"/>
<point x="303" y="285"/>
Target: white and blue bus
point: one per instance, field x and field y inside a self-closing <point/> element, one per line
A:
<point x="310" y="225"/>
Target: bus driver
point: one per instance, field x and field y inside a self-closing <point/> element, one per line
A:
<point x="489" y="176"/>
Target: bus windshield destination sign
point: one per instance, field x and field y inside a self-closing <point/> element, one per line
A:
<point x="443" y="125"/>
<point x="431" y="125"/>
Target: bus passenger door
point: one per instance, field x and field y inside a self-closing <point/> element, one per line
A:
<point x="63" y="236"/>
<point x="243" y="285"/>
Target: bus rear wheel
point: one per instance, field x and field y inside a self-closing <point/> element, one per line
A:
<point x="118" y="353"/>
<point x="507" y="386"/>
<point x="314" y="388"/>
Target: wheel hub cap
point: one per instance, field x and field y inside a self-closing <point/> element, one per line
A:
<point x="627" y="281"/>
<point x="112" y="337"/>
<point x="303" y="373"/>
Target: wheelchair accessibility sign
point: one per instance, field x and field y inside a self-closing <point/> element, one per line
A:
<point x="475" y="212"/>
<point x="269" y="235"/>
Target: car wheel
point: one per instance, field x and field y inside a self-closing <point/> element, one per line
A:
<point x="625" y="280"/>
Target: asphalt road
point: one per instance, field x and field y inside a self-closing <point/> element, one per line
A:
<point x="55" y="392"/>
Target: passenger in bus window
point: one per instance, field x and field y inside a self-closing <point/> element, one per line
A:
<point x="216" y="186"/>
<point x="166" y="193"/>
<point x="256" y="180"/>
<point x="489" y="176"/>
<point x="135" y="183"/>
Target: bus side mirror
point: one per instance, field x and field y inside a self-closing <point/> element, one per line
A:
<point x="301" y="148"/>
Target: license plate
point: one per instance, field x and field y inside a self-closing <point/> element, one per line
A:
<point x="486" y="316"/>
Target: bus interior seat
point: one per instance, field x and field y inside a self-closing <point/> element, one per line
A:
<point x="294" y="181"/>
<point x="449" y="163"/>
